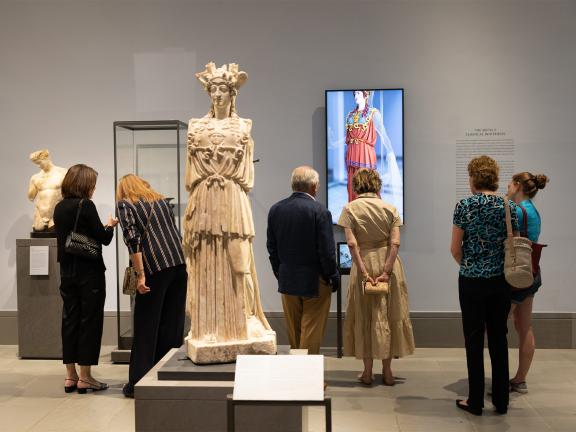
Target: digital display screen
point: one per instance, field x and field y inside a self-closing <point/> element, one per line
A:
<point x="344" y="258"/>
<point x="364" y="129"/>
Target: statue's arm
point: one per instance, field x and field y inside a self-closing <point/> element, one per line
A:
<point x="188" y="181"/>
<point x="191" y="176"/>
<point x="249" y="177"/>
<point x="32" y="190"/>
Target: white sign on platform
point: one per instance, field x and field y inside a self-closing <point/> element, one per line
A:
<point x="39" y="260"/>
<point x="279" y="377"/>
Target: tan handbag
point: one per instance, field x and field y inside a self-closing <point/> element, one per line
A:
<point x="130" y="282"/>
<point x="379" y="288"/>
<point x="517" y="256"/>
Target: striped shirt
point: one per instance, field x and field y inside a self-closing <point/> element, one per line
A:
<point x="160" y="243"/>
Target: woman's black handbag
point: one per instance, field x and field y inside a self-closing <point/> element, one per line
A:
<point x="81" y="245"/>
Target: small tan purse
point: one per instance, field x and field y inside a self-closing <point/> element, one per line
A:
<point x="517" y="256"/>
<point x="130" y="282"/>
<point x="379" y="288"/>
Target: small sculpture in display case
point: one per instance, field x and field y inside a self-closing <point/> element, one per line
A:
<point x="45" y="190"/>
<point x="223" y="301"/>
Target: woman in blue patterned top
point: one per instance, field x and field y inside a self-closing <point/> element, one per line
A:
<point x="522" y="189"/>
<point x="477" y="246"/>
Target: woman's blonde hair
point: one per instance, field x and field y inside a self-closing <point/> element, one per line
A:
<point x="366" y="180"/>
<point x="483" y="171"/>
<point x="133" y="188"/>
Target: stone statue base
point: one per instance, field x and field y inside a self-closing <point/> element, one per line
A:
<point x="260" y="341"/>
<point x="43" y="234"/>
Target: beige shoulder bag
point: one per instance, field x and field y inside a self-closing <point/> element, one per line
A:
<point x="518" y="256"/>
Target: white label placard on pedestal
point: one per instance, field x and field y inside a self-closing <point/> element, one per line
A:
<point x="39" y="260"/>
<point x="279" y="377"/>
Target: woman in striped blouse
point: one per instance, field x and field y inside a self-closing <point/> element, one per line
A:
<point x="155" y="248"/>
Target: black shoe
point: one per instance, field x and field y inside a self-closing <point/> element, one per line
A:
<point x="72" y="388"/>
<point x="97" y="386"/>
<point x="501" y="411"/>
<point x="128" y="390"/>
<point x="467" y="408"/>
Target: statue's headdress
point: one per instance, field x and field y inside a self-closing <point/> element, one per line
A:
<point x="228" y="73"/>
<point x="366" y="93"/>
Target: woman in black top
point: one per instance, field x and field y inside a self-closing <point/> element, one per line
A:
<point x="83" y="285"/>
<point x="155" y="248"/>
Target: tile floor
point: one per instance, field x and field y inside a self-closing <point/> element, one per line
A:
<point x="32" y="398"/>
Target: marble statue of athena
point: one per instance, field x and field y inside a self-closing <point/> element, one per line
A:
<point x="223" y="296"/>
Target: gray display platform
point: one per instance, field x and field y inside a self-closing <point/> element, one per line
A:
<point x="179" y="367"/>
<point x="39" y="303"/>
<point x="120" y="356"/>
<point x="200" y="406"/>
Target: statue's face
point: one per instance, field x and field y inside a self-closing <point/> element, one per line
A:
<point x="43" y="163"/>
<point x="220" y="94"/>
<point x="358" y="97"/>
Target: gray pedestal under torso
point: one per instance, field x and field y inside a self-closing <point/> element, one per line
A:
<point x="39" y="303"/>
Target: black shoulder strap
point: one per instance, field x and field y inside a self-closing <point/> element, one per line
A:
<point x="78" y="214"/>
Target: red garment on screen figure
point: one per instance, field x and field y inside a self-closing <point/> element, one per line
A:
<point x="360" y="152"/>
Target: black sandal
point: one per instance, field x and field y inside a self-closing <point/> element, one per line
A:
<point x="468" y="408"/>
<point x="72" y="388"/>
<point x="94" y="387"/>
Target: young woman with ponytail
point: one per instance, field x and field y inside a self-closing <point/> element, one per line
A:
<point x="523" y="187"/>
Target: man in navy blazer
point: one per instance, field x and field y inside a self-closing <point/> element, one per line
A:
<point x="300" y="242"/>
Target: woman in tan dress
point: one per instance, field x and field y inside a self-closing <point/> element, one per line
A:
<point x="376" y="326"/>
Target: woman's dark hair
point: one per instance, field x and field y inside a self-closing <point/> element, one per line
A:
<point x="366" y="180"/>
<point x="79" y="182"/>
<point x="530" y="183"/>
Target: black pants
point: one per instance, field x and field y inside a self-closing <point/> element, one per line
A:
<point x="158" y="320"/>
<point x="485" y="304"/>
<point x="82" y="316"/>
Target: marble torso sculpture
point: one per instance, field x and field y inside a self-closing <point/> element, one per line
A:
<point x="44" y="190"/>
<point x="223" y="296"/>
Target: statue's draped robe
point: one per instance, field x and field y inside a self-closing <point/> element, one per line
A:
<point x="218" y="230"/>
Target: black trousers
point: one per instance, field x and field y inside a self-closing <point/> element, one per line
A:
<point x="83" y="294"/>
<point x="485" y="304"/>
<point x="158" y="320"/>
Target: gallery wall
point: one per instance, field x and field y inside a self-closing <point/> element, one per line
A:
<point x="69" y="68"/>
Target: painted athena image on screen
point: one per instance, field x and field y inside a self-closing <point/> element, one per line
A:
<point x="223" y="301"/>
<point x="44" y="190"/>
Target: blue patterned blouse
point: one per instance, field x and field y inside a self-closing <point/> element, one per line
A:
<point x="482" y="218"/>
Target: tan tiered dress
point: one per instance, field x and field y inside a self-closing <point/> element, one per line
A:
<point x="376" y="326"/>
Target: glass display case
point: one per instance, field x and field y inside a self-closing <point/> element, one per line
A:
<point x="155" y="151"/>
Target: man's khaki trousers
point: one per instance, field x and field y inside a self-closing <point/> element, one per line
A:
<point x="306" y="318"/>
